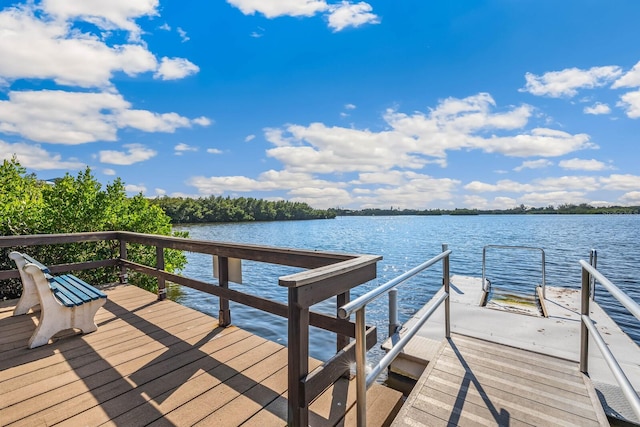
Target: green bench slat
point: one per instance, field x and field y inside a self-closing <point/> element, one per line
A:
<point x="72" y="291"/>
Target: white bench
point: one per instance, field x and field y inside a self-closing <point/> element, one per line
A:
<point x="66" y="302"/>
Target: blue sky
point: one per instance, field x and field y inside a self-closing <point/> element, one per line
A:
<point x="406" y="103"/>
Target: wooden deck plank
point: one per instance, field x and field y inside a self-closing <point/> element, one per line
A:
<point x="112" y="340"/>
<point x="520" y="408"/>
<point x="504" y="351"/>
<point x="520" y="387"/>
<point x="522" y="359"/>
<point x="103" y="376"/>
<point x="570" y="385"/>
<point x="207" y="389"/>
<point x="127" y="392"/>
<point x="150" y="362"/>
<point x="474" y="382"/>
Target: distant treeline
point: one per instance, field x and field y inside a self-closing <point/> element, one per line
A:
<point x="225" y="209"/>
<point x="519" y="210"/>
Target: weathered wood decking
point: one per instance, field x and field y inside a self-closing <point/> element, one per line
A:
<point x="476" y="382"/>
<point x="158" y="363"/>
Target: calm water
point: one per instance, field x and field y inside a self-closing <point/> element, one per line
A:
<point x="406" y="241"/>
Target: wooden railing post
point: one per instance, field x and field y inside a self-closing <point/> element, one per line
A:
<point x="224" y="314"/>
<point x="123" y="268"/>
<point x="162" y="290"/>
<point x="298" y="343"/>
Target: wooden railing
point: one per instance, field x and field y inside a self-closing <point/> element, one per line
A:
<point x="328" y="274"/>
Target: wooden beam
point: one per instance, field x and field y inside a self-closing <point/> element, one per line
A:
<point x="329" y="372"/>
<point x="319" y="320"/>
<point x="268" y="254"/>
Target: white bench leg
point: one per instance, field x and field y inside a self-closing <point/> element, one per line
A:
<point x="53" y="319"/>
<point x="29" y="297"/>
<point x="84" y="318"/>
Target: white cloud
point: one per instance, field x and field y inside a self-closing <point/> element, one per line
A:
<point x="267" y="181"/>
<point x="133" y="188"/>
<point x="165" y="27"/>
<point x="35" y="157"/>
<point x="539" y="142"/>
<point x="534" y="164"/>
<point x="320" y="198"/>
<point x="579" y="183"/>
<point x="567" y="82"/>
<point x="160" y="191"/>
<point x="349" y="107"/>
<point x="553" y="198"/>
<point x="78" y="117"/>
<point x="477" y="202"/>
<point x="175" y="68"/>
<point x="183" y="35"/>
<point x="597" y="108"/>
<point x="339" y="16"/>
<point x="408" y="189"/>
<point x="108" y="171"/>
<point x="562" y="183"/>
<point x="504" y="186"/>
<point x="413" y="141"/>
<point x="183" y="148"/>
<point x="249" y="138"/>
<point x="631" y="103"/>
<point x="34" y="47"/>
<point x="348" y="14"/>
<point x="626" y="182"/>
<point x="629" y="79"/>
<point x="153" y="122"/>
<point x="583" y="164"/>
<point x="135" y="153"/>
<point x="214" y="151"/>
<point x="276" y="8"/>
<point x="107" y="15"/>
<point x="631" y="198"/>
<point x="202" y="121"/>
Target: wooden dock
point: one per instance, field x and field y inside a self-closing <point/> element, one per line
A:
<point x="475" y="382"/>
<point x="159" y="363"/>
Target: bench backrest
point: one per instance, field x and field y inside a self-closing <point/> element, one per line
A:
<point x="68" y="289"/>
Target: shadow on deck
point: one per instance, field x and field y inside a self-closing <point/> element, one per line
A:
<point x="159" y="363"/>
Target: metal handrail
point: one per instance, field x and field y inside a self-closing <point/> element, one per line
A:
<point x="484" y="258"/>
<point x="590" y="273"/>
<point x="364" y="381"/>
<point x="346" y="310"/>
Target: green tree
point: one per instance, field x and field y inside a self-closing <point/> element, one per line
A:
<point x="77" y="204"/>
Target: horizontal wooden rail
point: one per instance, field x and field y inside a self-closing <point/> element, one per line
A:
<point x="64" y="268"/>
<point x="326" y="374"/>
<point x="319" y="320"/>
<point x="56" y="239"/>
<point x="267" y="254"/>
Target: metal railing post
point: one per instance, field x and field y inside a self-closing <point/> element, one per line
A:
<point x="361" y="374"/>
<point x="584" y="332"/>
<point x="162" y="289"/>
<point x="394" y="323"/>
<point x="593" y="261"/>
<point x="445" y="283"/>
